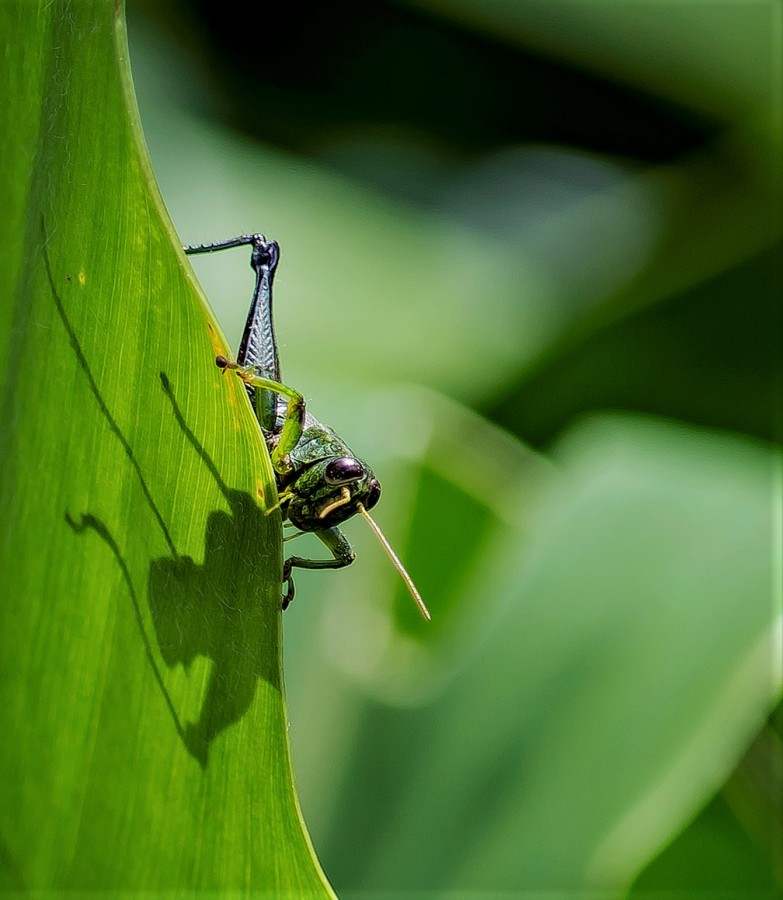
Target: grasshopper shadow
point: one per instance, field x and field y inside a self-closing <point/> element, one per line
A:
<point x="211" y="609"/>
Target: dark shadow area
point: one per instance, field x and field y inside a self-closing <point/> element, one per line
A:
<point x="213" y="609"/>
<point x="393" y="69"/>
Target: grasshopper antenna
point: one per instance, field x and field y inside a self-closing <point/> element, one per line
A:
<point x="412" y="590"/>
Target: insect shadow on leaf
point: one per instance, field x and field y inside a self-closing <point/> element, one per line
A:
<point x="213" y="609"/>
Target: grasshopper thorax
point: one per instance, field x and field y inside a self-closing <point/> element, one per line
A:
<point x="329" y="491"/>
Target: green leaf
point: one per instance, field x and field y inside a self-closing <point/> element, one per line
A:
<point x="145" y="732"/>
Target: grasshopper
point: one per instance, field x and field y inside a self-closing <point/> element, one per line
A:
<point x="320" y="482"/>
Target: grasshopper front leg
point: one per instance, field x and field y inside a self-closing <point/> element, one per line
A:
<point x="341" y="550"/>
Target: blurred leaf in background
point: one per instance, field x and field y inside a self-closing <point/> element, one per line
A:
<point x="498" y="221"/>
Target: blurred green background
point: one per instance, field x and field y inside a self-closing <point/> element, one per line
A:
<point x="531" y="270"/>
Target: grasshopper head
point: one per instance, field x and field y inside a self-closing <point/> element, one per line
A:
<point x="330" y="491"/>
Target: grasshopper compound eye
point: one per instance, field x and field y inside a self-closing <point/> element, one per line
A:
<point x="343" y="470"/>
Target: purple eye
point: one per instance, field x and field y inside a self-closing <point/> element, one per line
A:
<point x="373" y="494"/>
<point x="344" y="469"/>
